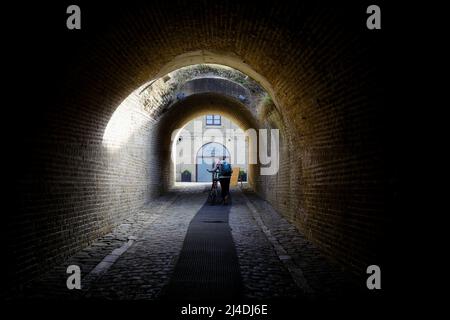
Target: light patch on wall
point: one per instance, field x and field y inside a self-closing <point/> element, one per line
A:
<point x="125" y="121"/>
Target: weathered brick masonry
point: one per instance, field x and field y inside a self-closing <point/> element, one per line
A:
<point x="320" y="67"/>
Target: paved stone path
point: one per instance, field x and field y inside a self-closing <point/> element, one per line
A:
<point x="137" y="259"/>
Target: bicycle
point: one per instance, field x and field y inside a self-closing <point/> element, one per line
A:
<point x="213" y="192"/>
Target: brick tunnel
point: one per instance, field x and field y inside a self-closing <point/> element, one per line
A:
<point x="316" y="225"/>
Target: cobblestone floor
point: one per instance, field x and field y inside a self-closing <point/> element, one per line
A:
<point x="275" y="259"/>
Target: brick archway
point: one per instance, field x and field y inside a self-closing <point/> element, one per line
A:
<point x="326" y="102"/>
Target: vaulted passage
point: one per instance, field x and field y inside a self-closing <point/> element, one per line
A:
<point x="95" y="156"/>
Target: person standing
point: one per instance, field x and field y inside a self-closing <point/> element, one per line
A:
<point x="225" y="171"/>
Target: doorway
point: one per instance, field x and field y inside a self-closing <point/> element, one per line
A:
<point x="207" y="157"/>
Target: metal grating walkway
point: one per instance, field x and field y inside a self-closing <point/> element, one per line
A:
<point x="208" y="267"/>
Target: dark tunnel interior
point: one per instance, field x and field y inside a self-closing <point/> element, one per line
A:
<point x="318" y="75"/>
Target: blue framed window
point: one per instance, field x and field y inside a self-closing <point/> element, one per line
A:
<point x="213" y="120"/>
